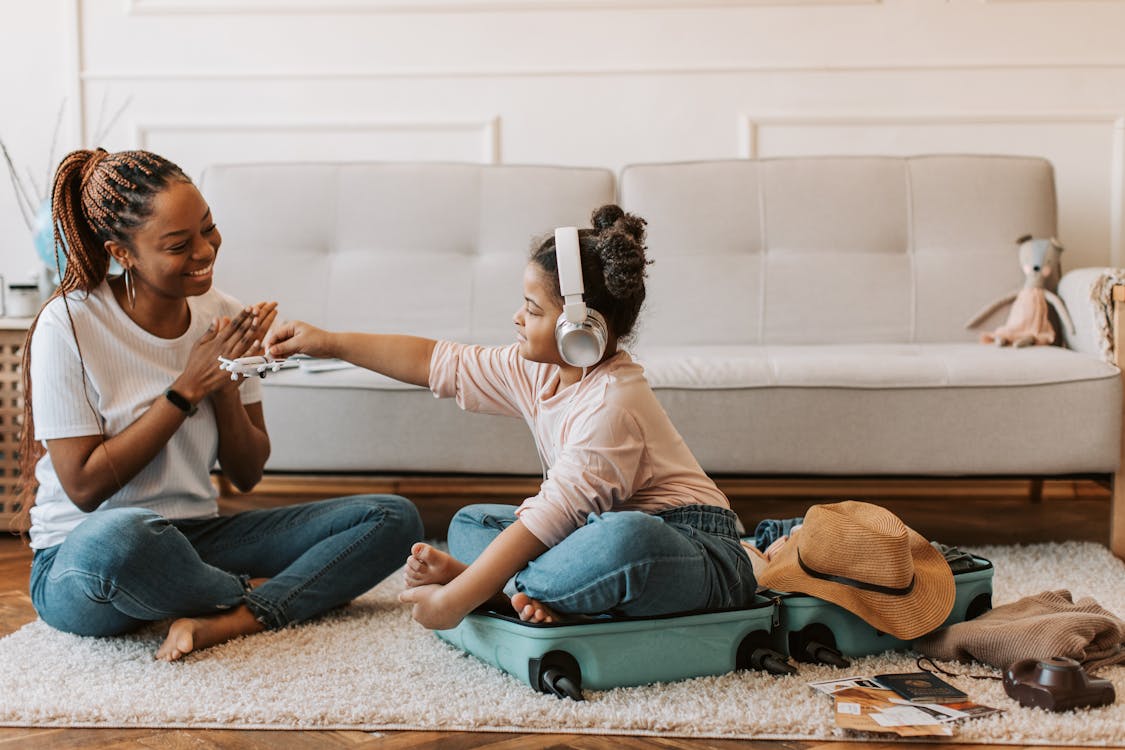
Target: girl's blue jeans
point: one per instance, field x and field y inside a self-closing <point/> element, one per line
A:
<point x="625" y="562"/>
<point x="123" y="567"/>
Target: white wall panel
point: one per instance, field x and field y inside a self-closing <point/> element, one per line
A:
<point x="37" y="56"/>
<point x="584" y="82"/>
<point x="197" y="144"/>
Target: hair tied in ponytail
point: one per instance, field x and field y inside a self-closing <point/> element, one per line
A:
<point x="97" y="156"/>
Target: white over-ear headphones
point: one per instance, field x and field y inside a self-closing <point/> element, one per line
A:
<point x="580" y="332"/>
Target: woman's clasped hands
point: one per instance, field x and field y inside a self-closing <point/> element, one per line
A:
<point x="229" y="338"/>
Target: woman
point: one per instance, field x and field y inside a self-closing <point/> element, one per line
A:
<point x="123" y="389"/>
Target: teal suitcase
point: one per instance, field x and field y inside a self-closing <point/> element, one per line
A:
<point x="607" y="652"/>
<point x="813" y="630"/>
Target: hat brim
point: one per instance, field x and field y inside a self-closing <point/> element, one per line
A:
<point x="906" y="616"/>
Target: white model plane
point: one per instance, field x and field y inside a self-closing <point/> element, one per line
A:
<point x="247" y="366"/>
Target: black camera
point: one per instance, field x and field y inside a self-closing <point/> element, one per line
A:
<point x="1056" y="684"/>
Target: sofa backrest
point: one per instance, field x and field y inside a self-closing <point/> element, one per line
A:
<point x="833" y="249"/>
<point x="430" y="249"/>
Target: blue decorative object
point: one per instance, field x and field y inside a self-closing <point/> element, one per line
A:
<point x="43" y="234"/>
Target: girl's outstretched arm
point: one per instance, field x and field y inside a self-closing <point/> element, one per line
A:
<point x="405" y="358"/>
<point x="439" y="607"/>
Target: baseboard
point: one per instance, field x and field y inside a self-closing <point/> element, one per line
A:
<point x="473" y="487"/>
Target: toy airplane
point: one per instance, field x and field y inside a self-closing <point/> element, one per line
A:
<point x="247" y="366"/>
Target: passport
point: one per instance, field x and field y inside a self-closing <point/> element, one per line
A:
<point x="921" y="687"/>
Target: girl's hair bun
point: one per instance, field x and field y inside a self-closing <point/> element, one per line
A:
<point x="612" y="216"/>
<point x="605" y="217"/>
<point x="620" y="246"/>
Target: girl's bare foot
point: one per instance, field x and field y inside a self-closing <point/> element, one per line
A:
<point x="193" y="633"/>
<point x="530" y="610"/>
<point x="428" y="565"/>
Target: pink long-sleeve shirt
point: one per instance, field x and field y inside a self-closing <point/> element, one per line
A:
<point x="607" y="442"/>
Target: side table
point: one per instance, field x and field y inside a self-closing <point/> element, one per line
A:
<point x="13" y="331"/>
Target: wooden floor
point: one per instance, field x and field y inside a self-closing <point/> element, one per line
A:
<point x="962" y="513"/>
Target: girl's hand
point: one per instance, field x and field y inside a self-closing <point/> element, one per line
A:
<point x="230" y="338"/>
<point x="297" y="337"/>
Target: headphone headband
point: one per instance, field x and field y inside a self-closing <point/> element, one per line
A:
<point x="580" y="332"/>
<point x="568" y="260"/>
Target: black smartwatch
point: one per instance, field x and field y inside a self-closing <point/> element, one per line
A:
<point x="180" y="402"/>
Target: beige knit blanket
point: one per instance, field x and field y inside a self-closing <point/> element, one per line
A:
<point x="1101" y="294"/>
<point x="1035" y="627"/>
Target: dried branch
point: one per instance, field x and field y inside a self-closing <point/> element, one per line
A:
<point x="103" y="132"/>
<point x="38" y="191"/>
<point x="21" y="192"/>
<point x="54" y="143"/>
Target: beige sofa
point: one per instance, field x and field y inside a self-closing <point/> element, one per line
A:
<point x="805" y="315"/>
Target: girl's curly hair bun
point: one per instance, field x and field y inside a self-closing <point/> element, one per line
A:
<point x="620" y="246"/>
<point x="611" y="216"/>
<point x="613" y="266"/>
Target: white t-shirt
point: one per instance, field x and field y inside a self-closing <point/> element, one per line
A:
<point x="127" y="369"/>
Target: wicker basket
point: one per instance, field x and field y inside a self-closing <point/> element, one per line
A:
<point x="12" y="334"/>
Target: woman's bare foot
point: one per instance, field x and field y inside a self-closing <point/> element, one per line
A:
<point x="530" y="610"/>
<point x="193" y="633"/>
<point x="428" y="565"/>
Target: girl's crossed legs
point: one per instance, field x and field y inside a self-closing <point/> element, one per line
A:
<point x="123" y="567"/>
<point x="624" y="562"/>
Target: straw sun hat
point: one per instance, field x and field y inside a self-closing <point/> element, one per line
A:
<point x="866" y="560"/>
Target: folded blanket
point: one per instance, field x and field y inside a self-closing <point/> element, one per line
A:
<point x="1035" y="627"/>
<point x="1101" y="294"/>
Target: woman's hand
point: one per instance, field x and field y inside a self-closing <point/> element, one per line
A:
<point x="297" y="337"/>
<point x="229" y="338"/>
<point x="265" y="314"/>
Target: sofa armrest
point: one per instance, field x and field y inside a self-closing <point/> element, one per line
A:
<point x="1086" y="292"/>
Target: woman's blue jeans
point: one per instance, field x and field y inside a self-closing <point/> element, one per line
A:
<point x="123" y="567"/>
<point x="625" y="562"/>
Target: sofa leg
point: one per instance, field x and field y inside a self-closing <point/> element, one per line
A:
<point x="1035" y="491"/>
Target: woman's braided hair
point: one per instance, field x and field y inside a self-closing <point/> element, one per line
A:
<point x="613" y="266"/>
<point x="97" y="197"/>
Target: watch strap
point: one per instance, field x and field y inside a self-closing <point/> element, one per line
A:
<point x="179" y="401"/>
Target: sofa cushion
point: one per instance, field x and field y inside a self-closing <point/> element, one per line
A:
<point x="430" y="249"/>
<point x="833" y="249"/>
<point x="903" y="409"/>
<point x="887" y="366"/>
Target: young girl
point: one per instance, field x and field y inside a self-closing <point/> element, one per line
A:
<point x="625" y="521"/>
<point x="123" y="387"/>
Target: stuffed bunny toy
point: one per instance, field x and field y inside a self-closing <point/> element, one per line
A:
<point x="1029" y="321"/>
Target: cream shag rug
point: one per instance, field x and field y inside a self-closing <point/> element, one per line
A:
<point x="370" y="667"/>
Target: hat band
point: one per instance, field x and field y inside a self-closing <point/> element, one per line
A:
<point x="854" y="583"/>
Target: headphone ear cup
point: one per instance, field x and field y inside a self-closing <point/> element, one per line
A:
<point x="582" y="344"/>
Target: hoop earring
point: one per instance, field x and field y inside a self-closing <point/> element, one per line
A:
<point x="130" y="289"/>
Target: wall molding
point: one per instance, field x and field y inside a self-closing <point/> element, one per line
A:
<point x="288" y="7"/>
<point x="749" y="126"/>
<point x="295" y="74"/>
<point x="488" y="130"/>
<point x="75" y="62"/>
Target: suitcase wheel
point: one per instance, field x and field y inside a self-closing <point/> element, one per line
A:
<point x="754" y="653"/>
<point x="815" y="643"/>
<point x="978" y="606"/>
<point x="558" y="674"/>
